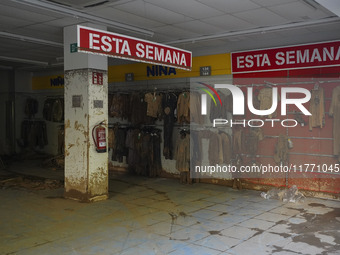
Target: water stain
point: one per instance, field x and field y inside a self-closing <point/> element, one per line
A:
<point x="316" y="205"/>
<point x="325" y="224"/>
<point x="214" y="232"/>
<point x="183" y="214"/>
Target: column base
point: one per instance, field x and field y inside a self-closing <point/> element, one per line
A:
<point x="83" y="197"/>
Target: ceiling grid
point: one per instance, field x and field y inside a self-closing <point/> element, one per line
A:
<point x="202" y="26"/>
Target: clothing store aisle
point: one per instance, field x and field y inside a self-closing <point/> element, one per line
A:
<point x="162" y="216"/>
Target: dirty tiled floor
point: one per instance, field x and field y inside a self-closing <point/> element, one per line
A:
<point x="161" y="216"/>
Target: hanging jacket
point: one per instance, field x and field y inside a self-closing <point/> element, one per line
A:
<point x="334" y="111"/>
<point x="317" y="108"/>
<point x="183" y="108"/>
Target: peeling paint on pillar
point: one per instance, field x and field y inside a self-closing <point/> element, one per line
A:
<point x="86" y="171"/>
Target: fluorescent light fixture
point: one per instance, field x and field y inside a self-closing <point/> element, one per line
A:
<point x="331" y="5"/>
<point x="27" y="61"/>
<point x="30" y="39"/>
<point x="68" y="11"/>
<point x="257" y="30"/>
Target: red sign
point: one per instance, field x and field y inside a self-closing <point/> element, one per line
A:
<point x="110" y="44"/>
<point x="97" y="78"/>
<point x="294" y="57"/>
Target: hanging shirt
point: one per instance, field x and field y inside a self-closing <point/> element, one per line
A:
<point x="266" y="100"/>
<point x="154" y="105"/>
<point x="317" y="109"/>
<point x="183" y="108"/>
<point x="334" y="111"/>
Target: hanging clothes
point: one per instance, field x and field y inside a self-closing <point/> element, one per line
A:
<point x="226" y="147"/>
<point x="183" y="157"/>
<point x="221" y="111"/>
<point x="138" y="110"/>
<point x="252" y="139"/>
<point x="119" y="149"/>
<point x="58" y="110"/>
<point x="144" y="154"/>
<point x="266" y="100"/>
<point x="196" y="147"/>
<point x="183" y="108"/>
<point x="237" y="141"/>
<point x="281" y="150"/>
<point x="154" y="105"/>
<point x="119" y="106"/>
<point x="133" y="144"/>
<point x="317" y="108"/>
<point x="34" y="133"/>
<point x="215" y="149"/>
<point x="334" y="111"/>
<point x="53" y="109"/>
<point x="31" y="107"/>
<point x="195" y="108"/>
<point x="169" y="104"/>
<point x="183" y="153"/>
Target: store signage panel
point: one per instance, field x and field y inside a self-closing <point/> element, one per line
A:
<point x="205" y="70"/>
<point x="110" y="44"/>
<point x="97" y="78"/>
<point x="294" y="57"/>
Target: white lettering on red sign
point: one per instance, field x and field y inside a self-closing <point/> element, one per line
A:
<point x="303" y="56"/>
<point x="115" y="45"/>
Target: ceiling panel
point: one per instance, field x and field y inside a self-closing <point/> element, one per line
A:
<point x="231" y="6"/>
<point x="126" y="18"/>
<point x="266" y="3"/>
<point x="42" y="31"/>
<point x="7" y="23"/>
<point x="175" y="32"/>
<point x="171" y="20"/>
<point x="261" y="17"/>
<point x="229" y="23"/>
<point x="25" y="15"/>
<point x="297" y="11"/>
<point x="199" y="27"/>
<point x="63" y="22"/>
<point x="191" y="8"/>
<point x="153" y="12"/>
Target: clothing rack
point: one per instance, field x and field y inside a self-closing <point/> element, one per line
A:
<point x="150" y="91"/>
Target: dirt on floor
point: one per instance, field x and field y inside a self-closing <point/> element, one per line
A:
<point x="28" y="182"/>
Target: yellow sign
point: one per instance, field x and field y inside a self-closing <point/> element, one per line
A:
<point x="220" y="65"/>
<point x="48" y="82"/>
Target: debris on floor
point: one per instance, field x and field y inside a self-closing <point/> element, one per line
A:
<point x="55" y="162"/>
<point x="291" y="195"/>
<point x="29" y="182"/>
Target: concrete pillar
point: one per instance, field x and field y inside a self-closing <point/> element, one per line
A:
<point x="86" y="105"/>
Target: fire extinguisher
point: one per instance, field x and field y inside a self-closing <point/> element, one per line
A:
<point x="99" y="137"/>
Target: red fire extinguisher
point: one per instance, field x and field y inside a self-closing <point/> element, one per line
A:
<point x="100" y="137"/>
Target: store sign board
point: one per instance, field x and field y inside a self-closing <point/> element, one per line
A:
<point x="110" y="44"/>
<point x="97" y="78"/>
<point x="293" y="57"/>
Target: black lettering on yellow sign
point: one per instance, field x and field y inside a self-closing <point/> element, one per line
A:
<point x="159" y="70"/>
<point x="57" y="82"/>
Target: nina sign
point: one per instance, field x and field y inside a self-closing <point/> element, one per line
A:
<point x="110" y="44"/>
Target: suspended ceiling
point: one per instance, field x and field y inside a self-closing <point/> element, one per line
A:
<point x="31" y="31"/>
